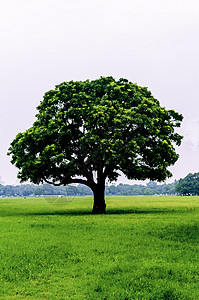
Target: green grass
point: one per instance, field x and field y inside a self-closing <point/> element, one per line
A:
<point x="143" y="248"/>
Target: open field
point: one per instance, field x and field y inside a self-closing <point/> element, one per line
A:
<point x="143" y="248"/>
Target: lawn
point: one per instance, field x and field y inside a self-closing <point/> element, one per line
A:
<point x="143" y="248"/>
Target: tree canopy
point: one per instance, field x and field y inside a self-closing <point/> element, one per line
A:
<point x="90" y="131"/>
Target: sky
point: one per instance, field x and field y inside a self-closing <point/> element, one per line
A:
<point x="150" y="42"/>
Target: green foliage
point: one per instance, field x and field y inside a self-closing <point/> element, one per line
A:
<point x="144" y="248"/>
<point x="189" y="185"/>
<point x="103" y="126"/>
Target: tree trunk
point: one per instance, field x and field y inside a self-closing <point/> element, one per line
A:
<point x="99" y="206"/>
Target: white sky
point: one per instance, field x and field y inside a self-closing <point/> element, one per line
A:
<point x="150" y="42"/>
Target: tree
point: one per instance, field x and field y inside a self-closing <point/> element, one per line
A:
<point x="188" y="185"/>
<point x="87" y="132"/>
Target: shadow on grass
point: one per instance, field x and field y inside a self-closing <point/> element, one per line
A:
<point x="83" y="212"/>
<point x="116" y="211"/>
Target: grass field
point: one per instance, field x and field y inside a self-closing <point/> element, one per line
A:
<point x="143" y="248"/>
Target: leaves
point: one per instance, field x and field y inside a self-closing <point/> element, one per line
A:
<point x="102" y="125"/>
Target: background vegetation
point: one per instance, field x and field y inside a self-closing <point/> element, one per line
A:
<point x="186" y="186"/>
<point x="151" y="188"/>
<point x="143" y="248"/>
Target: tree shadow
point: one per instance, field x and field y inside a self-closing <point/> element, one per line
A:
<point x="79" y="212"/>
<point x="88" y="212"/>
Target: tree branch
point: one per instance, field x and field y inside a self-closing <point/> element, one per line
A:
<point x="84" y="169"/>
<point x="107" y="170"/>
<point x="71" y="180"/>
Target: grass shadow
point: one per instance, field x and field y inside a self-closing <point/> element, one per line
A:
<point x="83" y="212"/>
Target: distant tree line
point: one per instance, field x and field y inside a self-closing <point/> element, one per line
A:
<point x="42" y="190"/>
<point x="151" y="188"/>
<point x="188" y="185"/>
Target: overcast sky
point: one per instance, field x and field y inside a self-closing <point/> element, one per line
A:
<point x="150" y="42"/>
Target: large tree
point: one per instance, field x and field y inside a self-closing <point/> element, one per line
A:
<point x="87" y="132"/>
